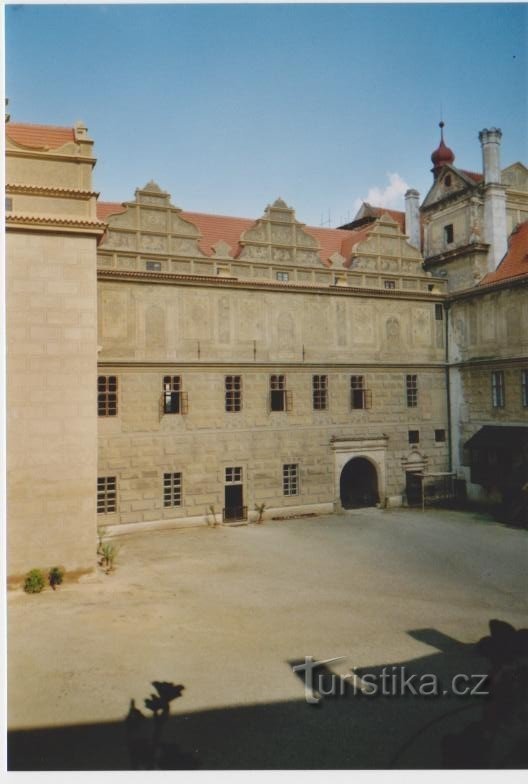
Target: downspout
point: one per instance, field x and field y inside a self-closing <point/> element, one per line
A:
<point x="448" y="389"/>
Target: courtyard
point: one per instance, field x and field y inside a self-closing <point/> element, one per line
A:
<point x="225" y="612"/>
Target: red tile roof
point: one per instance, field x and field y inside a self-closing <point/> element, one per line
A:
<point x="515" y="262"/>
<point x="39" y="136"/>
<point x="107" y="208"/>
<point x="475" y="176"/>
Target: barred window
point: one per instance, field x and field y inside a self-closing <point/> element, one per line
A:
<point x="290" y="479"/>
<point x="233" y="475"/>
<point x="497" y="389"/>
<point x="174" y="399"/>
<point x="106" y="494"/>
<point x="172" y="489"/>
<point x="283" y="276"/>
<point x="524" y="387"/>
<point x="280" y="398"/>
<point x="412" y="390"/>
<point x="414" y="436"/>
<point x="107" y="395"/>
<point x="320" y="392"/>
<point x="233" y="393"/>
<point x="360" y="397"/>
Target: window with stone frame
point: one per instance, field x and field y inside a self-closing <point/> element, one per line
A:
<point x="174" y="399"/>
<point x="107" y="395"/>
<point x="411" y="384"/>
<point x="106" y="494"/>
<point x="414" y="436"/>
<point x="320" y="392"/>
<point x="449" y="234"/>
<point x="360" y="396"/>
<point x="172" y="489"/>
<point x="290" y="479"/>
<point x="497" y="389"/>
<point x="440" y="436"/>
<point x="233" y="393"/>
<point x="280" y="399"/>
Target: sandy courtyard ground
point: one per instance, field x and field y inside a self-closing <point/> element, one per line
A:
<point x="225" y="612"/>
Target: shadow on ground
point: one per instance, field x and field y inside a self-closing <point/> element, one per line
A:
<point x="346" y="730"/>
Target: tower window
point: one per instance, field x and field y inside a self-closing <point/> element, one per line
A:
<point x="439" y="312"/>
<point x="449" y="234"/>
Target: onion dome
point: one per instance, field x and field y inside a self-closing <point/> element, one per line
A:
<point x="442" y="155"/>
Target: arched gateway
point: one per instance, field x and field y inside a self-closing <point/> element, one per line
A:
<point x="358" y="484"/>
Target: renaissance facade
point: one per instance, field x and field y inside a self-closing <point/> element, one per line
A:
<point x="171" y="368"/>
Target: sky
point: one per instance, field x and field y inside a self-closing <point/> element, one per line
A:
<point x="228" y="107"/>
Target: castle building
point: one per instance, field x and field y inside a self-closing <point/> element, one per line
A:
<point x="170" y="368"/>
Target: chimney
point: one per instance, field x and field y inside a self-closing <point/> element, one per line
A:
<point x="412" y="217"/>
<point x="494" y="197"/>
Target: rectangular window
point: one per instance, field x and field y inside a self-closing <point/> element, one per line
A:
<point x="153" y="266"/>
<point x="439" y="312"/>
<point x="174" y="399"/>
<point x="389" y="284"/>
<point x="497" y="389"/>
<point x="412" y="391"/>
<point x="360" y="397"/>
<point x="172" y="489"/>
<point x="280" y="398"/>
<point x="106" y="494"/>
<point x="283" y="276"/>
<point x="449" y="233"/>
<point x="320" y="392"/>
<point x="233" y="475"/>
<point x="524" y="388"/>
<point x="414" y="436"/>
<point x="107" y="395"/>
<point x="233" y="393"/>
<point x="440" y="436"/>
<point x="290" y="479"/>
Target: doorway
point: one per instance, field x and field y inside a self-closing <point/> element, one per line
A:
<point x="234" y="508"/>
<point x="358" y="484"/>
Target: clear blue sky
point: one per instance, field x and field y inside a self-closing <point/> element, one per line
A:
<point x="229" y="106"/>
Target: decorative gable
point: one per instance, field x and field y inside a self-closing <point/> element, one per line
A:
<point x="386" y="250"/>
<point x="278" y="237"/>
<point x="515" y="177"/>
<point x="450" y="182"/>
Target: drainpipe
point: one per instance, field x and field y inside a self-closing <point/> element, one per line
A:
<point x="448" y="389"/>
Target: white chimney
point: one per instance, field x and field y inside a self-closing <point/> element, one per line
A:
<point x="412" y="217"/>
<point x="495" y="232"/>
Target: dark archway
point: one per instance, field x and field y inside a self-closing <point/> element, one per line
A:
<point x="358" y="485"/>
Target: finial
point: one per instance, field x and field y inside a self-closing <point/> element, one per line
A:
<point x="441" y="125"/>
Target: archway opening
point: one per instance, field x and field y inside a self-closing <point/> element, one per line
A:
<point x="358" y="485"/>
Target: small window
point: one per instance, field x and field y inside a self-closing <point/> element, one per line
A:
<point x="233" y="393"/>
<point x="107" y="395"/>
<point x="233" y="475"/>
<point x="449" y="233"/>
<point x="414" y="436"/>
<point x="524" y="388"/>
<point x="411" y="383"/>
<point x="439" y="312"/>
<point x="320" y="392"/>
<point x="106" y="494"/>
<point x="290" y="479"/>
<point x="280" y="398"/>
<point x="389" y="284"/>
<point x="283" y="276"/>
<point x="153" y="266"/>
<point x="440" y="436"/>
<point x="360" y="397"/>
<point x="172" y="489"/>
<point x="497" y="389"/>
<point x="447" y="180"/>
<point x="174" y="399"/>
<point x="8" y="204"/>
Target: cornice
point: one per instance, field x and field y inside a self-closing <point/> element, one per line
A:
<point x="490" y="362"/>
<point x="210" y="281"/>
<point x="256" y="364"/>
<point x="42" y="190"/>
<point x="42" y="154"/>
<point x="474" y="247"/>
<point x="19" y="221"/>
<point x="487" y="288"/>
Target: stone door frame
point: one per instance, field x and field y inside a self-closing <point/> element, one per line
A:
<point x="372" y="448"/>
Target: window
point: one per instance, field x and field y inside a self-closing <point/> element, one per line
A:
<point x="360" y="397"/>
<point x="107" y="395"/>
<point x="106" y="494"/>
<point x="320" y="392"/>
<point x="412" y="391"/>
<point x="414" y="436"/>
<point x="8" y="204"/>
<point x="290" y="479"/>
<point x="497" y="389"/>
<point x="449" y="234"/>
<point x="153" y="266"/>
<point x="439" y="312"/>
<point x="174" y="400"/>
<point x="280" y="398"/>
<point x="233" y="393"/>
<point x="172" y="489"/>
<point x="440" y="436"/>
<point x="283" y="276"/>
<point x="233" y="475"/>
<point x="447" y="180"/>
<point x="389" y="284"/>
<point x="524" y="387"/>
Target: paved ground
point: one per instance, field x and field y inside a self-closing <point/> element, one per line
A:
<point x="225" y="611"/>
